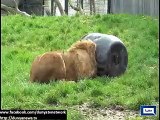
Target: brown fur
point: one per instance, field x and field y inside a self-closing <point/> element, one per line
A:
<point x="78" y="62"/>
<point x="47" y="67"/>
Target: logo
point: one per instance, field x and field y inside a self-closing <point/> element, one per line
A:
<point x="147" y="110"/>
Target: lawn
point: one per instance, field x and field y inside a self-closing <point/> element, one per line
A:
<point x="23" y="38"/>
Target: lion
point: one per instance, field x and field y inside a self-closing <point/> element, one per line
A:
<point x="80" y="60"/>
<point x="46" y="67"/>
<point x="76" y="63"/>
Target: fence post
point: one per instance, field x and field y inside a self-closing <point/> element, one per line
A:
<point x="109" y="6"/>
<point x="82" y="4"/>
<point x="52" y="1"/>
<point x="66" y="6"/>
<point x="43" y="8"/>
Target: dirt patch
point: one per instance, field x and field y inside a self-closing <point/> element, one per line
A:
<point x="115" y="113"/>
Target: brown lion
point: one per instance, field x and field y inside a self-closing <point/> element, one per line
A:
<point x="49" y="66"/>
<point x="78" y="62"/>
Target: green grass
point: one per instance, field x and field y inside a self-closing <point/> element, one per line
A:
<point x="24" y="38"/>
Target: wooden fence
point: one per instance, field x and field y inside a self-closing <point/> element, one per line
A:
<point x="143" y="7"/>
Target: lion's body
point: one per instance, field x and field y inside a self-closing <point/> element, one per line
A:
<point x="78" y="62"/>
<point x="47" y="67"/>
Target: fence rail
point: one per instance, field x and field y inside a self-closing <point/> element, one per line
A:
<point x="143" y="7"/>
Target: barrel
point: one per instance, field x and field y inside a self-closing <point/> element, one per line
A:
<point x="111" y="54"/>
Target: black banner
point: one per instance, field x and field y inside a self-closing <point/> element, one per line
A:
<point x="33" y="114"/>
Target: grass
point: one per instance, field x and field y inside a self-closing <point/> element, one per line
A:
<point x="24" y="38"/>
